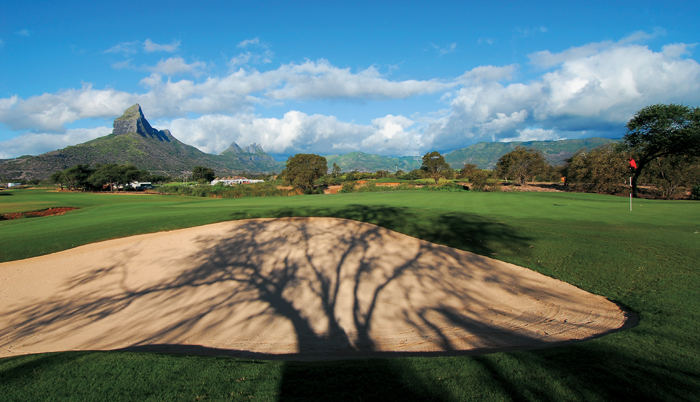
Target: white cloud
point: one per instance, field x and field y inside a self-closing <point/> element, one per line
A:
<point x="533" y="134"/>
<point x="321" y="80"/>
<point x="149" y="46"/>
<point x="50" y="112"/>
<point x="249" y="42"/>
<point x="34" y="144"/>
<point x="297" y="132"/>
<point x="1" y="43"/>
<point x="593" y="87"/>
<point x="24" y="32"/>
<point x="177" y="65"/>
<point x="264" y="56"/>
<point x="122" y="64"/>
<point x="487" y="73"/>
<point x="124" y="48"/>
<point x="488" y="41"/>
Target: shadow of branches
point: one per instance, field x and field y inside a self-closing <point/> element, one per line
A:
<point x="289" y="289"/>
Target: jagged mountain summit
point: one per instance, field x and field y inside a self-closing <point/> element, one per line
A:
<point x="133" y="121"/>
<point x="134" y="141"/>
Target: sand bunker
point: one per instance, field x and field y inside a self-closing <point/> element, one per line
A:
<point x="298" y="288"/>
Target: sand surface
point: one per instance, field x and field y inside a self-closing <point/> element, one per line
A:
<point x="296" y="288"/>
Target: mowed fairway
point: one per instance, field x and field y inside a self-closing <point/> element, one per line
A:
<point x="646" y="260"/>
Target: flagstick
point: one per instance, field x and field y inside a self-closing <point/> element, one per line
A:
<point x="630" y="193"/>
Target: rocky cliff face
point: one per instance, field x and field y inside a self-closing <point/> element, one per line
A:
<point x="133" y="121"/>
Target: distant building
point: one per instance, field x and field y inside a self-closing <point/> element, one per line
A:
<point x="141" y="185"/>
<point x="10" y="185"/>
<point x="235" y="180"/>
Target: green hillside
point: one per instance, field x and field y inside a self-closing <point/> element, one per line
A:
<point x="371" y="163"/>
<point x="486" y="154"/>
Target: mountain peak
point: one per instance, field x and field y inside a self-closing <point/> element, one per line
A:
<point x="232" y="149"/>
<point x="254" y="148"/>
<point x="133" y="121"/>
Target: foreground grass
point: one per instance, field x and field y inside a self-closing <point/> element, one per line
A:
<point x="646" y="260"/>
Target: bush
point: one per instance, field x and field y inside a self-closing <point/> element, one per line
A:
<point x="239" y="191"/>
<point x="348" y="187"/>
<point x="446" y="186"/>
<point x="695" y="194"/>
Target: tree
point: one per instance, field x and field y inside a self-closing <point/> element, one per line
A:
<point x="336" y="170"/>
<point x="668" y="173"/>
<point x="111" y="173"/>
<point x="434" y="165"/>
<point x="522" y="164"/>
<point x="303" y="169"/>
<point x="74" y="177"/>
<point x="661" y="130"/>
<point x="477" y="177"/>
<point x="201" y="172"/>
<point x="467" y="171"/>
<point x="603" y="169"/>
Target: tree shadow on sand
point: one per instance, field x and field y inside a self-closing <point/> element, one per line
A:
<point x="325" y="288"/>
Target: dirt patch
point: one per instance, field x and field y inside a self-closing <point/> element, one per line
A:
<point x="32" y="214"/>
<point x="537" y="187"/>
<point x="332" y="189"/>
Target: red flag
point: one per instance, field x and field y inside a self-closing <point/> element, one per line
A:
<point x="633" y="164"/>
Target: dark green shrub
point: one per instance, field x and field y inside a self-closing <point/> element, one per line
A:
<point x="695" y="194"/>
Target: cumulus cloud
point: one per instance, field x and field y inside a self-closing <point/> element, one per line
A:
<point x="534" y="134"/>
<point x="34" y="144"/>
<point x="297" y="132"/>
<point x="149" y="46"/>
<point x="594" y="87"/>
<point x="321" y="80"/>
<point x="50" y="112"/>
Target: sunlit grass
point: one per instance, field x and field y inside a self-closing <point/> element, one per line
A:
<point x="646" y="260"/>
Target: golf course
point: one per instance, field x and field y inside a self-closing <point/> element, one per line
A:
<point x="644" y="261"/>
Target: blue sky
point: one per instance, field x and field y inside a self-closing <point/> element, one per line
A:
<point x="334" y="77"/>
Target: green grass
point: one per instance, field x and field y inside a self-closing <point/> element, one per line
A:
<point x="646" y="260"/>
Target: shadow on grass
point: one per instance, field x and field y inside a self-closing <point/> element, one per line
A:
<point x="469" y="232"/>
<point x="582" y="372"/>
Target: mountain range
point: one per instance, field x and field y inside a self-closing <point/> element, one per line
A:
<point x="134" y="141"/>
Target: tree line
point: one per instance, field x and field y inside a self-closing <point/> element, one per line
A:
<point x="102" y="176"/>
<point x="662" y="140"/>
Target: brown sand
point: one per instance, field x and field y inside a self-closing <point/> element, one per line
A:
<point x="298" y="288"/>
